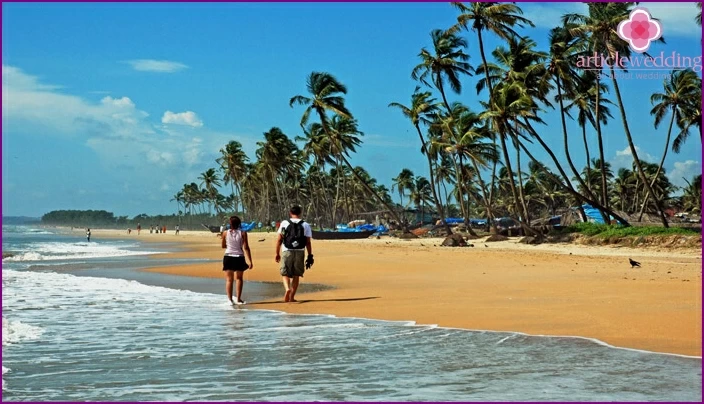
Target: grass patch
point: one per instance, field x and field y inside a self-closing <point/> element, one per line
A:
<point x="614" y="231"/>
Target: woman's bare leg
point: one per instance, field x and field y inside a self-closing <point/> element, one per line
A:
<point x="229" y="278"/>
<point x="239" y="285"/>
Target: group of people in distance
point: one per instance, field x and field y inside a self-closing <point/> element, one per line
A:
<point x="293" y="241"/>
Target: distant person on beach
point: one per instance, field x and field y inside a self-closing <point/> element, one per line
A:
<point x="236" y="245"/>
<point x="129" y="231"/>
<point x="294" y="238"/>
<point x="151" y="229"/>
<point x="139" y="228"/>
<point x="163" y="229"/>
<point x="88" y="234"/>
<point x="177" y="229"/>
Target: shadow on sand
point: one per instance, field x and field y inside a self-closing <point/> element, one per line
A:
<point x="351" y="299"/>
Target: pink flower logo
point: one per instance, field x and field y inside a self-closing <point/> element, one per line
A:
<point x="639" y="30"/>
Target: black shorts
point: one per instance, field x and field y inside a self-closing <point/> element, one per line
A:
<point x="234" y="264"/>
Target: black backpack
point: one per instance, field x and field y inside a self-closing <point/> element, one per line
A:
<point x="294" y="236"/>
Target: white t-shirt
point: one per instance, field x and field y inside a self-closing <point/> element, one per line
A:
<point x="307" y="231"/>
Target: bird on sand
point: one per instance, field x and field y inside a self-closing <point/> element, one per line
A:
<point x="486" y="246"/>
<point x="634" y="263"/>
<point x="262" y="240"/>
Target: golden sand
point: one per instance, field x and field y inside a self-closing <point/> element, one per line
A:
<point x="549" y="289"/>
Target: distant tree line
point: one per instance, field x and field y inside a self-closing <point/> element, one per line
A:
<point x="105" y="219"/>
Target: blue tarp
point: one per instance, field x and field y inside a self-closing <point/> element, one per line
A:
<point x="248" y="226"/>
<point x="593" y="214"/>
<point x="458" y="220"/>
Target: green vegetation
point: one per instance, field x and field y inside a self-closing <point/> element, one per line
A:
<point x="609" y="231"/>
<point x="474" y="156"/>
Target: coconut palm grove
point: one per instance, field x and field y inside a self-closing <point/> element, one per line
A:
<point x="481" y="163"/>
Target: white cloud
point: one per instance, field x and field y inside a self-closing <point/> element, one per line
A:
<point x="188" y="118"/>
<point x="158" y="66"/>
<point x="114" y="128"/>
<point x="684" y="170"/>
<point x="624" y="158"/>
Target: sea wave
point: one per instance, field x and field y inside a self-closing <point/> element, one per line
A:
<point x="17" y="331"/>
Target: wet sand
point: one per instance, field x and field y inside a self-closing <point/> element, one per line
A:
<point x="549" y="289"/>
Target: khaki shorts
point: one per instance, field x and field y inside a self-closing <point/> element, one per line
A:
<point x="292" y="263"/>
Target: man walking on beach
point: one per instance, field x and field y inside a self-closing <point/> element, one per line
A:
<point x="294" y="235"/>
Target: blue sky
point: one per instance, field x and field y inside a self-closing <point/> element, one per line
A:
<point x="116" y="105"/>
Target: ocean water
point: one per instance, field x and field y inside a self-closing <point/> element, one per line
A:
<point x="69" y="335"/>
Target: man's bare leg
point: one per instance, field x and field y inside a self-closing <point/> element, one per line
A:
<point x="287" y="287"/>
<point x="294" y="287"/>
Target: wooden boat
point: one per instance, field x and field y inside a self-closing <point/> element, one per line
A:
<point x="341" y="235"/>
<point x="213" y="229"/>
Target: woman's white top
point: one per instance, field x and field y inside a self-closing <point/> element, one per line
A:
<point x="234" y="243"/>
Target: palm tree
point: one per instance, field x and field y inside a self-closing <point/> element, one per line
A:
<point x="468" y="141"/>
<point x="599" y="25"/>
<point x="233" y="161"/>
<point x="447" y="63"/>
<point x="497" y="18"/>
<point x="403" y="182"/>
<point x="422" y="106"/>
<point x="679" y="90"/>
<point x="178" y="198"/>
<point x="690" y="115"/>
<point x="325" y="90"/>
<point x="584" y="96"/>
<point x="209" y="179"/>
<point x="510" y="107"/>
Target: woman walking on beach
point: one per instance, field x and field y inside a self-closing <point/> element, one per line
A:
<point x="235" y="243"/>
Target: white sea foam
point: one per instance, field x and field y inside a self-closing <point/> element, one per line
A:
<point x="70" y="251"/>
<point x="16" y="331"/>
<point x="4" y="370"/>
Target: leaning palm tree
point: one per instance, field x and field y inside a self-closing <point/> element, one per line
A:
<point x="325" y="91"/>
<point x="445" y="65"/>
<point x="584" y="96"/>
<point x="422" y="106"/>
<point x="497" y="18"/>
<point x="690" y="115"/>
<point x="679" y="90"/>
<point x="599" y="27"/>
<point x="563" y="48"/>
<point x="403" y="182"/>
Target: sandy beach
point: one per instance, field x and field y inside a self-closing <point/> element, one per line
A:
<point x="549" y="289"/>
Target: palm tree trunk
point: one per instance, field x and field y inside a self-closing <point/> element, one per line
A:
<point x="372" y="192"/>
<point x="567" y="184"/>
<point x="520" y="186"/>
<point x="586" y="149"/>
<point x="567" y="149"/>
<point x="512" y="182"/>
<point x="568" y="187"/>
<point x="438" y="203"/>
<point x="467" y="224"/>
<point x="634" y="152"/>
<point x="604" y="184"/>
<point x="662" y="162"/>
<point x="493" y="135"/>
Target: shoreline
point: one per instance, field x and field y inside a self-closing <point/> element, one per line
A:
<point x="560" y="290"/>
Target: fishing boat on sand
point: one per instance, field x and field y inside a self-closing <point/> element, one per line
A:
<point x="341" y="235"/>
